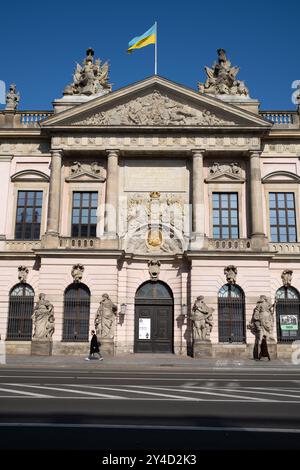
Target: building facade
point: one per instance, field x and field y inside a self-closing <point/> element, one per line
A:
<point x="156" y="195"/>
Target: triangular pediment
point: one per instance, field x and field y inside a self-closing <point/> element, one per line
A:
<point x="84" y="177"/>
<point x="225" y="177"/>
<point x="155" y="102"/>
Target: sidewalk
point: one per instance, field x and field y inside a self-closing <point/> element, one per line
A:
<point x="148" y="360"/>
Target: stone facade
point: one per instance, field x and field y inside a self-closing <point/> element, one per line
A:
<point x="156" y="156"/>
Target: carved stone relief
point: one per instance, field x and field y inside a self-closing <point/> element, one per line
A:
<point x="154" y="223"/>
<point x="286" y="277"/>
<point x="22" y="273"/>
<point x="154" y="109"/>
<point x="77" y="272"/>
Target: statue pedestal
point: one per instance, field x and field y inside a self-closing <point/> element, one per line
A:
<point x="41" y="347"/>
<point x="272" y="348"/>
<point x="107" y="346"/>
<point x="202" y="349"/>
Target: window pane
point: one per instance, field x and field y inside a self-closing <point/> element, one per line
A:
<point x="28" y="217"/>
<point x="84" y="215"/>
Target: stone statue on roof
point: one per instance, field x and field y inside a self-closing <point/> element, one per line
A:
<point x="90" y="78"/>
<point x="12" y="98"/>
<point x="221" y="78"/>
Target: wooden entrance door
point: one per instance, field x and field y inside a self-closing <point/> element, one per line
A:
<point x="154" y="319"/>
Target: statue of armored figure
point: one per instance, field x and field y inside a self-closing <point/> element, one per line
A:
<point x="230" y="273"/>
<point x="12" y="98"/>
<point x="22" y="274"/>
<point x="104" y="321"/>
<point x="262" y="321"/>
<point x="286" y="277"/>
<point x="77" y="272"/>
<point x="89" y="79"/>
<point x="43" y="319"/>
<point x="202" y="319"/>
<point x="221" y="78"/>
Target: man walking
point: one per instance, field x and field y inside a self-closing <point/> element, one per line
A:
<point x="94" y="348"/>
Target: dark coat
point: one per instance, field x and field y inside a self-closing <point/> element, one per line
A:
<point x="94" y="348"/>
<point x="264" y="348"/>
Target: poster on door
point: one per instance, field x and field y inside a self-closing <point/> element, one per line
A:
<point x="144" y="328"/>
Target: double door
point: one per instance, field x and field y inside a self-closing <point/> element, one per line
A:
<point x="153" y="328"/>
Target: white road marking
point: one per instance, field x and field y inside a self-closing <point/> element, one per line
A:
<point x="137" y="391"/>
<point x="113" y="397"/>
<point x="210" y="392"/>
<point x="23" y="393"/>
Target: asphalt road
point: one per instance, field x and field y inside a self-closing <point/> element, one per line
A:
<point x="157" y="408"/>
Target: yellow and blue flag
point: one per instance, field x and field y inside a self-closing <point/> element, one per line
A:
<point x="149" y="37"/>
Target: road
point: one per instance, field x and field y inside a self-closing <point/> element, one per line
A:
<point x="134" y="408"/>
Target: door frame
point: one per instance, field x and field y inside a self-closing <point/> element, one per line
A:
<point x="152" y="302"/>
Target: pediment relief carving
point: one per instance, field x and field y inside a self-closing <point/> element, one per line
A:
<point x="155" y="109"/>
<point x="83" y="172"/>
<point x="230" y="172"/>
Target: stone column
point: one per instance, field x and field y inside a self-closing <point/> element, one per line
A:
<point x="198" y="212"/>
<point x="112" y="190"/>
<point x="53" y="215"/>
<point x="258" y="236"/>
<point x="5" y="161"/>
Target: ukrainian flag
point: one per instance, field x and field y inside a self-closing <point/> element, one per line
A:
<point x="149" y="37"/>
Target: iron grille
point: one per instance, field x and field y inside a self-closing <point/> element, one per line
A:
<point x="287" y="314"/>
<point x="21" y="303"/>
<point x="76" y="313"/>
<point x="231" y="310"/>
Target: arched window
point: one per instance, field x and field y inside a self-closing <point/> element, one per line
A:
<point x="21" y="303"/>
<point x="231" y="310"/>
<point x="287" y="314"/>
<point x="76" y="312"/>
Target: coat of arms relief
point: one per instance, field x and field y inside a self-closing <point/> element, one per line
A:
<point x="154" y="223"/>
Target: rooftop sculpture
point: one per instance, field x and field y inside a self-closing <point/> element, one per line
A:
<point x="221" y="78"/>
<point x="90" y="78"/>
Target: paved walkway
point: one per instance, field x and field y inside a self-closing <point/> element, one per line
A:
<point x="149" y="360"/>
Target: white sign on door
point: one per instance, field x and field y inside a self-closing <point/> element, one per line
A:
<point x="144" y="328"/>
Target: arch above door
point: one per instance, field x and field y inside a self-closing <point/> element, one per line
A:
<point x="154" y="318"/>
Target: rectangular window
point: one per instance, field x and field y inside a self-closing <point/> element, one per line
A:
<point x="84" y="214"/>
<point x="28" y="218"/>
<point x="282" y="217"/>
<point x="225" y="215"/>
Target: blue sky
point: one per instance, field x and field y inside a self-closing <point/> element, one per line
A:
<point x="41" y="41"/>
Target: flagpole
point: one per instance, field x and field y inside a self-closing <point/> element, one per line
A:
<point x="155" y="50"/>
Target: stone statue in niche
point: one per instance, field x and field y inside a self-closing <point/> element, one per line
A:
<point x="202" y="320"/>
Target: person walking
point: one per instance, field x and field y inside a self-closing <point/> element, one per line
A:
<point x="94" y="348"/>
<point x="264" y="349"/>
